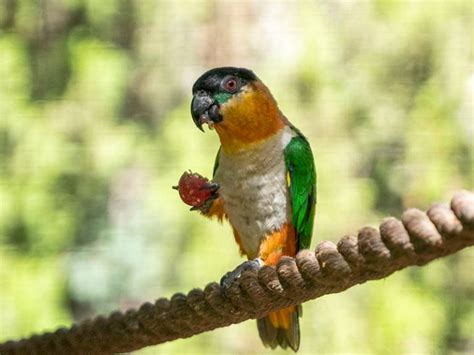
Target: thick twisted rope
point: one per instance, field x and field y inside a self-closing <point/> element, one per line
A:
<point x="375" y="253"/>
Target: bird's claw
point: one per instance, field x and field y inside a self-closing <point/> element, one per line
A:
<point x="206" y="205"/>
<point x="211" y="186"/>
<point x="229" y="278"/>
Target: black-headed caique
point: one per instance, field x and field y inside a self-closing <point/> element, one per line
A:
<point x="264" y="181"/>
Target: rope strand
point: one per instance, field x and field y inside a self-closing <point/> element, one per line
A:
<point x="416" y="239"/>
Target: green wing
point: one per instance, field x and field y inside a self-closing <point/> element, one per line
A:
<point x="302" y="185"/>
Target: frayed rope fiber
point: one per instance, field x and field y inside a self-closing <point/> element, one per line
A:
<point x="416" y="239"/>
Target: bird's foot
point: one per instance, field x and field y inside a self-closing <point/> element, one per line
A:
<point x="228" y="279"/>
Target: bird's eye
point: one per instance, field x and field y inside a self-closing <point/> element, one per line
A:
<point x="230" y="85"/>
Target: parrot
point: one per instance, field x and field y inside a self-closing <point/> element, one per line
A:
<point x="263" y="184"/>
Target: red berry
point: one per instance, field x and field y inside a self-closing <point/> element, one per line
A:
<point x="192" y="189"/>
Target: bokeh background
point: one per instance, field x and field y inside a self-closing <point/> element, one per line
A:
<point x="95" y="129"/>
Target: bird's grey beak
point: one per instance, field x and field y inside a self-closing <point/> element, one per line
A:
<point x="204" y="109"/>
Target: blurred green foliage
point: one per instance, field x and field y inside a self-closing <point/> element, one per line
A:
<point x="95" y="129"/>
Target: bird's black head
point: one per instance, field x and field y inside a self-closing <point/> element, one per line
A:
<point x="214" y="88"/>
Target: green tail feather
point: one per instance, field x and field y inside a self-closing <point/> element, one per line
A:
<point x="273" y="337"/>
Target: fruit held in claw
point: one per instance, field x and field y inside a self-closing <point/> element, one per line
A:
<point x="195" y="189"/>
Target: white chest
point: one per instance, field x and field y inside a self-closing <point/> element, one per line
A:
<point x="254" y="189"/>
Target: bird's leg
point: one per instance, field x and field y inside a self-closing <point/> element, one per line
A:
<point x="228" y="279"/>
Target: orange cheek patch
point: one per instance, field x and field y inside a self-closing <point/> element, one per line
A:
<point x="248" y="118"/>
<point x="277" y="244"/>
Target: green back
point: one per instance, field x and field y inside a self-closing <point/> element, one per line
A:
<point x="302" y="184"/>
